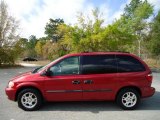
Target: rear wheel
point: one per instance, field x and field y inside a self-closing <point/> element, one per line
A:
<point x="128" y="98"/>
<point x="29" y="99"/>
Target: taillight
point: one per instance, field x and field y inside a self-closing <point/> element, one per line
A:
<point x="149" y="77"/>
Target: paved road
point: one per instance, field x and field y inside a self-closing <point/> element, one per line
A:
<point x="149" y="108"/>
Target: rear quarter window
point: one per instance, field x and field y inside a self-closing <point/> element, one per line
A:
<point x="129" y="64"/>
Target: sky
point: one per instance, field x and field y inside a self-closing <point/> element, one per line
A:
<point x="34" y="14"/>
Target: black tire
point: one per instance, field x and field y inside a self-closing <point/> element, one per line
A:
<point x="132" y="103"/>
<point x="36" y="97"/>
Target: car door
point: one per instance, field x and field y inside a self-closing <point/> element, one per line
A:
<point x="64" y="82"/>
<point x="99" y="77"/>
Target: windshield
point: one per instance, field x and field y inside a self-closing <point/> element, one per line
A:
<point x="36" y="69"/>
<point x="44" y="67"/>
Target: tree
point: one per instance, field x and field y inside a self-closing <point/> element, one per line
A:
<point x="131" y="7"/>
<point x="8" y="27"/>
<point x="50" y="50"/>
<point x="30" y="46"/>
<point x="154" y="43"/>
<point x="134" y="21"/>
<point x="19" y="47"/>
<point x="135" y="16"/>
<point x="31" y="42"/>
<point x="87" y="36"/>
<point x="8" y="35"/>
<point x="116" y="39"/>
<point x="38" y="47"/>
<point x="51" y="29"/>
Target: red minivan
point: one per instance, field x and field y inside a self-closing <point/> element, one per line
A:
<point x="93" y="76"/>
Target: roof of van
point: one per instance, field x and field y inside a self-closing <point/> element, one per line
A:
<point x="98" y="53"/>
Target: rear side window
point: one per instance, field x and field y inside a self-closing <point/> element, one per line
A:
<point x="99" y="64"/>
<point x="129" y="64"/>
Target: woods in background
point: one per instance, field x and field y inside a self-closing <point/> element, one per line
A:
<point x="136" y="31"/>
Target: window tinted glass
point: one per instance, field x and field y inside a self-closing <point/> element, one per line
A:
<point x="68" y="66"/>
<point x="129" y="64"/>
<point x="99" y="64"/>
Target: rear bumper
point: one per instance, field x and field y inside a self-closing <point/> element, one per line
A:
<point x="148" y="92"/>
<point x="11" y="93"/>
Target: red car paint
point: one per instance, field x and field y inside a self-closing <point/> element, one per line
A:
<point x="103" y="86"/>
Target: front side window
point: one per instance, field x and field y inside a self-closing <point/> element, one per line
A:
<point x="68" y="66"/>
<point x="99" y="64"/>
<point x="129" y="64"/>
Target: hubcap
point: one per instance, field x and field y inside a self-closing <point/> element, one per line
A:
<point x="129" y="99"/>
<point x="29" y="100"/>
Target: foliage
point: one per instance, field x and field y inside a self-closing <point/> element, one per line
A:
<point x="135" y="15"/>
<point x="134" y="31"/>
<point x="51" y="29"/>
<point x="39" y="46"/>
<point x="30" y="46"/>
<point x="8" y="36"/>
<point x="49" y="50"/>
<point x="135" y="22"/>
<point x="89" y="34"/>
<point x="7" y="56"/>
<point x="155" y="36"/>
<point x="8" y="26"/>
<point x="83" y="37"/>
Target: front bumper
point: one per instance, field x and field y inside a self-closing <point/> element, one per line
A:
<point x="148" y="92"/>
<point x="11" y="93"/>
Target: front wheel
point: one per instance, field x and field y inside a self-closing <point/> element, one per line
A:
<point x="128" y="99"/>
<point x="29" y="99"/>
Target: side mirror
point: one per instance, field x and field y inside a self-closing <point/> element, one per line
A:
<point x="47" y="73"/>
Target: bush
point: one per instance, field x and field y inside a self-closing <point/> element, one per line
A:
<point x="7" y="56"/>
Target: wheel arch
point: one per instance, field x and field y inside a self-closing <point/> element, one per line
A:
<point x="131" y="87"/>
<point x="28" y="87"/>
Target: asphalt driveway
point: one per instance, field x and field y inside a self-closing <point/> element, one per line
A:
<point x="149" y="109"/>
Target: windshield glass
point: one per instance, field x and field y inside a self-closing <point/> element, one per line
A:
<point x="36" y="69"/>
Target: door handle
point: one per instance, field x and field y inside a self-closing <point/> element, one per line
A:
<point x="76" y="82"/>
<point x="88" y="81"/>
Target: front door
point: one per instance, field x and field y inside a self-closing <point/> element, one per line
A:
<point x="99" y="77"/>
<point x="64" y="82"/>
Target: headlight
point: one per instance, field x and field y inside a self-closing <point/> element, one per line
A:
<point x="10" y="84"/>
